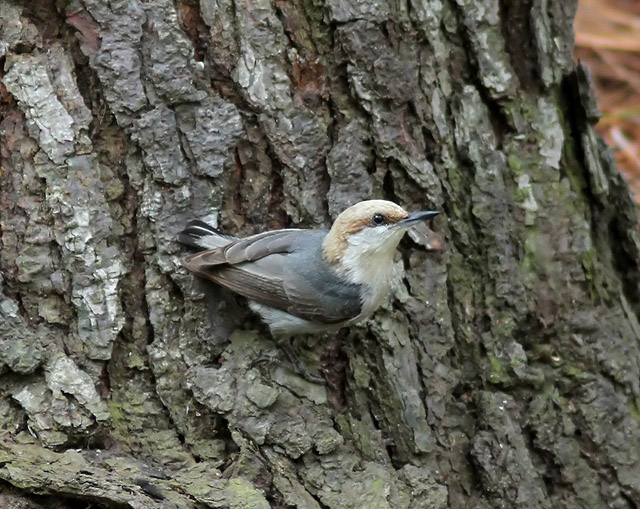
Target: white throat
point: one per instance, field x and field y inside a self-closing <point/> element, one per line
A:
<point x="368" y="261"/>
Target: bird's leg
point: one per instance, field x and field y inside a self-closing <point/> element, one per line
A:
<point x="299" y="367"/>
<point x="294" y="363"/>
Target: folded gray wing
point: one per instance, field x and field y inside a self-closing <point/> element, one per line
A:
<point x="244" y="250"/>
<point x="271" y="269"/>
<point x="263" y="244"/>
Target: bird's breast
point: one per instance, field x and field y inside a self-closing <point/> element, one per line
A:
<point x="372" y="271"/>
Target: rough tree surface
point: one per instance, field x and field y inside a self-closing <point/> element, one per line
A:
<point x="503" y="372"/>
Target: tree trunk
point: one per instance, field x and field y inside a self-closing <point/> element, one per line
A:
<point x="504" y="370"/>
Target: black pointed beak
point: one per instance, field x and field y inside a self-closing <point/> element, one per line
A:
<point x="417" y="217"/>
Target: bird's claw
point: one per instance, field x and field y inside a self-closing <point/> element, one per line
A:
<point x="266" y="358"/>
<point x="294" y="364"/>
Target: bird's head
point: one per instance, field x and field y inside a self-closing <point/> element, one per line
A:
<point x="370" y="229"/>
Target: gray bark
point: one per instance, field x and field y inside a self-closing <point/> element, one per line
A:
<point x="503" y="371"/>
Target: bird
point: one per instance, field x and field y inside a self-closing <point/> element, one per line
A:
<point x="307" y="281"/>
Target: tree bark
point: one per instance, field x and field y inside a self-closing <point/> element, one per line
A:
<point x="504" y="369"/>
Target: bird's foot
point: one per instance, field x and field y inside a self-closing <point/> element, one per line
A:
<point x="299" y="367"/>
<point x="293" y="364"/>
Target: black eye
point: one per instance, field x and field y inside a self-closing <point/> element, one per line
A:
<point x="378" y="219"/>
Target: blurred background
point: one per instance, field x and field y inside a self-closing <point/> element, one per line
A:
<point x="608" y="41"/>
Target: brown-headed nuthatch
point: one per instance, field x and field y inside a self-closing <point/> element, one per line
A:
<point x="308" y="281"/>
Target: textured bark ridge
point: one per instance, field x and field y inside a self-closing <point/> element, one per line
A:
<point x="504" y="370"/>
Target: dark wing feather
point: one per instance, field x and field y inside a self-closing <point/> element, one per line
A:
<point x="210" y="259"/>
<point x="243" y="250"/>
<point x="266" y="289"/>
<point x="261" y="245"/>
<point x="256" y="268"/>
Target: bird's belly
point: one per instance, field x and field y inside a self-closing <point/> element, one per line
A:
<point x="282" y="323"/>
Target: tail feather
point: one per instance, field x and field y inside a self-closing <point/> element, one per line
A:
<point x="203" y="236"/>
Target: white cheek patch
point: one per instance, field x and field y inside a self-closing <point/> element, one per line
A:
<point x="374" y="239"/>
